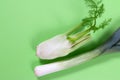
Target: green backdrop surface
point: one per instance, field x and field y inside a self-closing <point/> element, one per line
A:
<point x="26" y="23"/>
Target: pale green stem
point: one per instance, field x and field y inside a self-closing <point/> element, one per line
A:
<point x="77" y="36"/>
<point x="74" y="29"/>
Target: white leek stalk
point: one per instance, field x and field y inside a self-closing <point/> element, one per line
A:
<point x="61" y="65"/>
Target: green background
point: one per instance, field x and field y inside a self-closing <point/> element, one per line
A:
<point x="26" y="23"/>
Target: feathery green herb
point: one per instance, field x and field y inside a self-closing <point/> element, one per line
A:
<point x="96" y="9"/>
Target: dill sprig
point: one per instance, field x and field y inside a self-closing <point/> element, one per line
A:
<point x="96" y="9"/>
